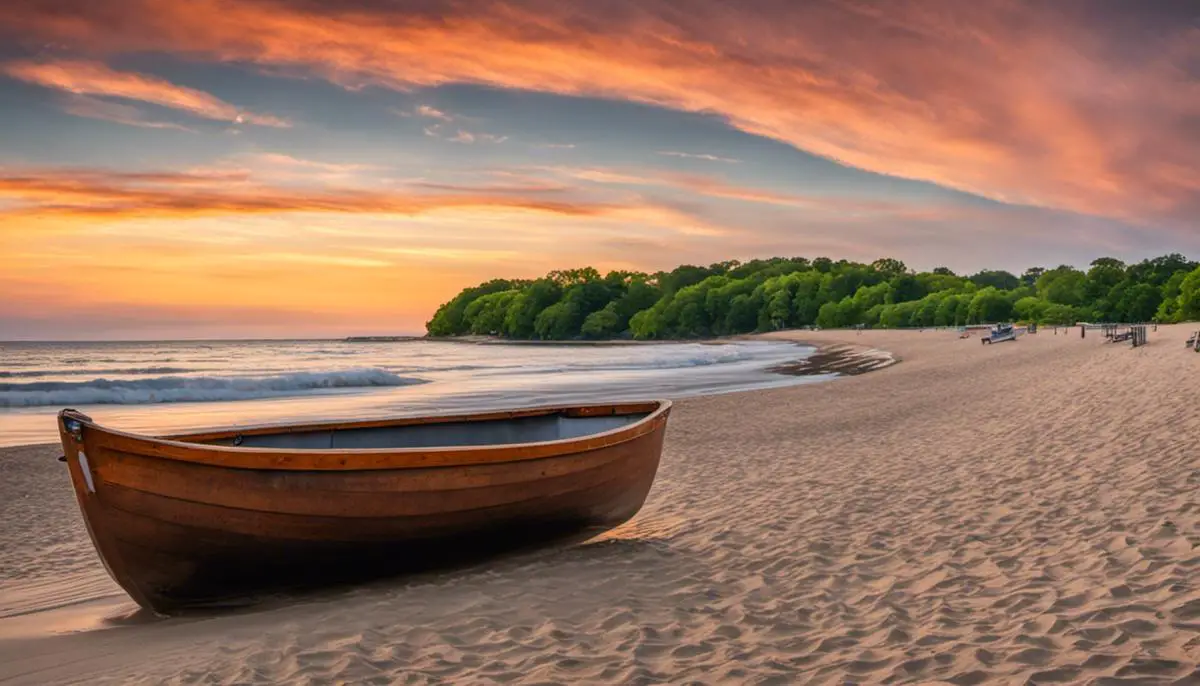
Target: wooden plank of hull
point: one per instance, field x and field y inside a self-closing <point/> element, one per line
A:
<point x="365" y="526"/>
<point x="177" y="532"/>
<point x="384" y="458"/>
<point x="381" y="493"/>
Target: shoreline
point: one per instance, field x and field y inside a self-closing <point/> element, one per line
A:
<point x="500" y="340"/>
<point x="830" y="358"/>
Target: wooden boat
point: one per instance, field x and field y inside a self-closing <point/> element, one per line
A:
<point x="203" y="517"/>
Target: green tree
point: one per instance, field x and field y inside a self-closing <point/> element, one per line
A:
<point x="947" y="311"/>
<point x="905" y="288"/>
<point x="681" y="277"/>
<point x="525" y="307"/>
<point x="1189" y="297"/>
<point x="823" y="265"/>
<point x="1031" y="275"/>
<point x="808" y="299"/>
<point x="1137" y="302"/>
<point x="646" y="325"/>
<point x="1030" y="309"/>
<point x="558" y="322"/>
<point x="989" y="305"/>
<point x="605" y="323"/>
<point x="1000" y="280"/>
<point x="1063" y="285"/>
<point x="889" y="267"/>
<point x="448" y="320"/>
<point x="1159" y="270"/>
<point x="830" y="316"/>
<point x="1168" y="309"/>
<point x="1062" y="315"/>
<point x="485" y="314"/>
<point x="1105" y="275"/>
<point x="742" y="316"/>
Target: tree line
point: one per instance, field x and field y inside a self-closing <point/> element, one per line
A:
<point x="778" y="293"/>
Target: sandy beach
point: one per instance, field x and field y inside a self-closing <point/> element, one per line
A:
<point x="1016" y="513"/>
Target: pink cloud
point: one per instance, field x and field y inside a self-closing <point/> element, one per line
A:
<point x="83" y="78"/>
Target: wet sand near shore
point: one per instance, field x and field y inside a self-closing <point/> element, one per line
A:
<point x="1017" y="513"/>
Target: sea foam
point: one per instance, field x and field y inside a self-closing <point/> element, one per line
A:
<point x="172" y="389"/>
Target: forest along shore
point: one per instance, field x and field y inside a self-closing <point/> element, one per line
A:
<point x="1022" y="512"/>
<point x="727" y="298"/>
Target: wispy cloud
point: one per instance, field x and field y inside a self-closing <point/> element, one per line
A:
<point x="455" y="254"/>
<point x="716" y="187"/>
<point x="467" y="137"/>
<point x="609" y="176"/>
<point x="424" y="112"/>
<point x="83" y="78"/>
<point x="531" y="187"/>
<point x="118" y="113"/>
<point x="433" y="113"/>
<point x="98" y="194"/>
<point x="461" y="135"/>
<point x="698" y="156"/>
<point x="278" y="159"/>
<point x="309" y="258"/>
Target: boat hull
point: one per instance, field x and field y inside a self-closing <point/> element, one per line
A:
<point x="177" y="529"/>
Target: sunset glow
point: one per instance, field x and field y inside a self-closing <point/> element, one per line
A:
<point x="214" y="168"/>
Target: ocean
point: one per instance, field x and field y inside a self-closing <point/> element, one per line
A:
<point x="165" y="386"/>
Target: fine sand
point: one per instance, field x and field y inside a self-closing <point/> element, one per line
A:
<point x="1018" y="513"/>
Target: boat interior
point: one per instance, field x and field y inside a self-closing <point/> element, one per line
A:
<point x="502" y="431"/>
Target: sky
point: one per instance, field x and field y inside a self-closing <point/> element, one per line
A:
<point x="294" y="168"/>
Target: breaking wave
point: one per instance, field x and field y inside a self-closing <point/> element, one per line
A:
<point x="172" y="389"/>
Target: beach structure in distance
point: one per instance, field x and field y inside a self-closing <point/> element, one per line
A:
<point x="1000" y="333"/>
<point x="225" y="515"/>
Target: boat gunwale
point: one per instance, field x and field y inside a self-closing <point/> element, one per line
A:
<point x="178" y="447"/>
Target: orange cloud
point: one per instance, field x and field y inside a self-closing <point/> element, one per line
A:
<point x="83" y="78"/>
<point x="92" y="194"/>
<point x="1022" y="102"/>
